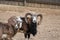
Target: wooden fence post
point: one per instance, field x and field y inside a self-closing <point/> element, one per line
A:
<point x="24" y="3"/>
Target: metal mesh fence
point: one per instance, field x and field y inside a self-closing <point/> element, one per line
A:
<point x="33" y="3"/>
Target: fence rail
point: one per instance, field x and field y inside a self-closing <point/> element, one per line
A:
<point x="29" y="3"/>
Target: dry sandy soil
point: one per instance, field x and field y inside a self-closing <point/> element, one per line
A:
<point x="49" y="28"/>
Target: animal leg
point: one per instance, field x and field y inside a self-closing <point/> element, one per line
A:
<point x="28" y="36"/>
<point x="25" y="36"/>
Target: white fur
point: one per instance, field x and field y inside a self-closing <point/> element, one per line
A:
<point x="20" y="21"/>
<point x="20" y="25"/>
<point x="4" y="35"/>
<point x="34" y="19"/>
<point x="16" y="26"/>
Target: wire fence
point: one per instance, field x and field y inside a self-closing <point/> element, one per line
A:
<point x="33" y="3"/>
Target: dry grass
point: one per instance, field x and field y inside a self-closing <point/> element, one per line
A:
<point x="49" y="28"/>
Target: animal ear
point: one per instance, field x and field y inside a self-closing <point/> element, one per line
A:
<point x="39" y="15"/>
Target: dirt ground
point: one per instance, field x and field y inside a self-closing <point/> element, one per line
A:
<point x="49" y="28"/>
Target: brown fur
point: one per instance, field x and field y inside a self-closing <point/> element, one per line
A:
<point x="5" y="29"/>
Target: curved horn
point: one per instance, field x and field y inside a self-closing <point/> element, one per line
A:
<point x="40" y="15"/>
<point x="27" y="15"/>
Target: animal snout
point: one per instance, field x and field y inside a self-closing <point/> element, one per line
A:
<point x="34" y="33"/>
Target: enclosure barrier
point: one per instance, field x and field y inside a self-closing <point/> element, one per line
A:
<point x="29" y="3"/>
